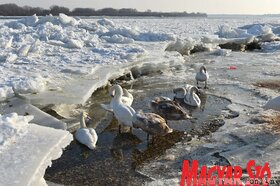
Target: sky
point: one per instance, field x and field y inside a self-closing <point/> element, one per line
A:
<point x="206" y="6"/>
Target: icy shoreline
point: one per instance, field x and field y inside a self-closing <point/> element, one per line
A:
<point x="55" y="60"/>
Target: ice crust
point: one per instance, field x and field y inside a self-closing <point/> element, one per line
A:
<point x="63" y="60"/>
<point x="41" y="54"/>
<point x="26" y="149"/>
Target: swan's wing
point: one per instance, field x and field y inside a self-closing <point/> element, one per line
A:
<point x="127" y="94"/>
<point x="93" y="134"/>
<point x="107" y="107"/>
<point x="131" y="110"/>
<point x="124" y="114"/>
<point x="156" y="123"/>
<point x="169" y="105"/>
<point x="192" y="100"/>
<point x="199" y="76"/>
<point x="84" y="136"/>
<point x="127" y="101"/>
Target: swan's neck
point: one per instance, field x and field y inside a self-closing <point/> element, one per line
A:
<point x="192" y="92"/>
<point x="118" y="95"/>
<point x="82" y="122"/>
<point x="203" y="69"/>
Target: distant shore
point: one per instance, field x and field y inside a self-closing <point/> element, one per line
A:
<point x="15" y="10"/>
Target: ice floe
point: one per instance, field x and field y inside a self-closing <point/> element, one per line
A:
<point x="59" y="42"/>
<point x="26" y="150"/>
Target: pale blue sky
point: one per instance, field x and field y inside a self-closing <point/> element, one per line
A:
<point x="208" y="6"/>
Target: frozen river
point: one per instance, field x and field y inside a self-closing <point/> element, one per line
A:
<point x="57" y="62"/>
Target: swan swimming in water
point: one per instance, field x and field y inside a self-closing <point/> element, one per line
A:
<point x="202" y="76"/>
<point x="84" y="135"/>
<point x="168" y="109"/>
<point x="273" y="104"/>
<point x="192" y="98"/>
<point x="126" y="99"/>
<point x="122" y="112"/>
<point x="151" y="123"/>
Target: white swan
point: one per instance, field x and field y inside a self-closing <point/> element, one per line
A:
<point x="122" y="112"/>
<point x="202" y="75"/>
<point x="180" y="93"/>
<point x="126" y="99"/>
<point x="192" y="98"/>
<point x="273" y="104"/>
<point x="151" y="123"/>
<point x="84" y="135"/>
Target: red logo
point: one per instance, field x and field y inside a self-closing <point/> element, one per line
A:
<point x="224" y="175"/>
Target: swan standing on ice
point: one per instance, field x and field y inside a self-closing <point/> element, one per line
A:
<point x="151" y="123"/>
<point x="169" y="110"/>
<point x="84" y="135"/>
<point x="122" y="112"/>
<point x="273" y="104"/>
<point x="126" y="99"/>
<point x="202" y="76"/>
<point x="192" y="98"/>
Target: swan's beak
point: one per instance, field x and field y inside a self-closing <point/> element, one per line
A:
<point x="112" y="95"/>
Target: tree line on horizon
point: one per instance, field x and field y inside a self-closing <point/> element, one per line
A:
<point x="15" y="10"/>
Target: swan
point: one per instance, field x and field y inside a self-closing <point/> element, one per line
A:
<point x="202" y="76"/>
<point x="180" y="94"/>
<point x="168" y="109"/>
<point x="122" y="112"/>
<point x="192" y="98"/>
<point x="151" y="123"/>
<point x="84" y="135"/>
<point x="126" y="99"/>
<point x="273" y="104"/>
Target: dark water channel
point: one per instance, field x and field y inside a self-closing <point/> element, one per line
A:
<point x="114" y="160"/>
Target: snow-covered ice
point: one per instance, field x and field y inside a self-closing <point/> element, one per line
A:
<point x="63" y="60"/>
<point x="27" y="149"/>
<point x="40" y="55"/>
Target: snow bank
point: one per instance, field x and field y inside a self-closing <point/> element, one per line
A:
<point x="263" y="32"/>
<point x="190" y="45"/>
<point x="5" y="92"/>
<point x="11" y="127"/>
<point x="29" y="149"/>
<point x="182" y="46"/>
<point x="33" y="84"/>
<point x="117" y="39"/>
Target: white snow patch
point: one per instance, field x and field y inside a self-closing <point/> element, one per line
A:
<point x="33" y="84"/>
<point x="117" y="39"/>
